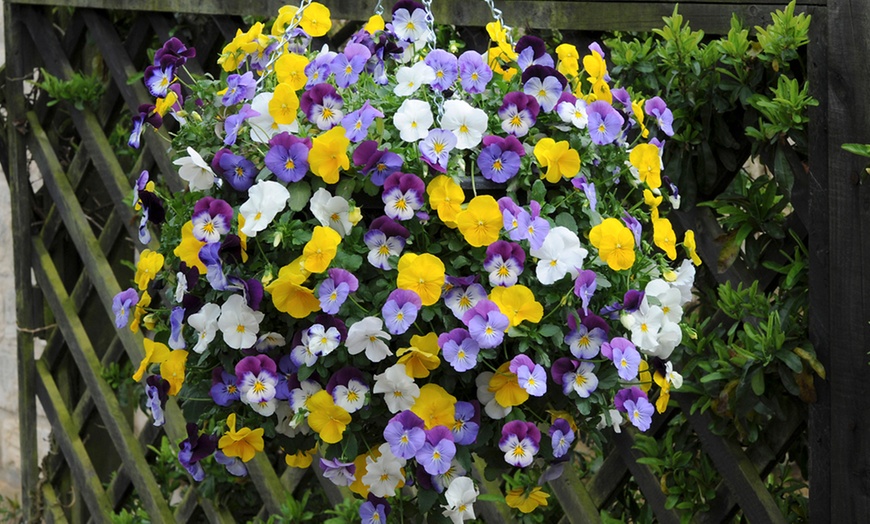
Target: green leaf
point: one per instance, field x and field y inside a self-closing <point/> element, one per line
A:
<point x="782" y="171"/>
<point x="758" y="382"/>
<point x="300" y="194"/>
<point x="566" y="220"/>
<point x="791" y="360"/>
<point x="549" y="330"/>
<point x="490" y="497"/>
<point x="857" y="149"/>
<point x="539" y="191"/>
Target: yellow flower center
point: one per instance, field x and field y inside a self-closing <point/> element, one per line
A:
<point x="259" y="387"/>
<point x="463" y="128"/>
<point x="644" y="328"/>
<point x="240" y="328"/>
<point x="516" y="121"/>
<point x="289" y="164"/>
<point x="327" y="113"/>
<point x="497" y="165"/>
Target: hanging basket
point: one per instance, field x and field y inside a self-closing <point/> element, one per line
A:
<point x="333" y="286"/>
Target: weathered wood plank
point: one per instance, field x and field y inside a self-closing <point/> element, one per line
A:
<point x="67" y="435"/>
<point x="52" y="510"/>
<point x="269" y="487"/>
<point x="848" y="334"/>
<point x="576" y="503"/>
<point x="74" y="333"/>
<point x="22" y="213"/>
<point x="489" y="512"/>
<point x="734" y="466"/>
<point x="819" y="419"/>
<point x="712" y="16"/>
<point x="644" y="477"/>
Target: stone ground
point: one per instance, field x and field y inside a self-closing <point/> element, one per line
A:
<point x="10" y="456"/>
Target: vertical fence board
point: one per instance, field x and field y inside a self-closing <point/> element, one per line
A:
<point x="849" y="219"/>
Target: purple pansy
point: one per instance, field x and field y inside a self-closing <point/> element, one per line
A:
<point x="400" y="310"/>
<point x="224" y="390"/>
<point x="467" y="423"/>
<point x="562" y="436"/>
<point x="545" y="84"/>
<point x="371" y="514"/>
<point x="257" y="377"/>
<point x="474" y="73"/>
<point x="446" y="68"/>
<point x="376" y="163"/>
<point x="356" y="123"/>
<point x="462" y="298"/>
<point x="405" y="433"/>
<point x="486" y="323"/>
<point x="588" y="189"/>
<point x="322" y="105"/>
<point x="176" y="326"/>
<point x="403" y="195"/>
<point x="633" y="394"/>
<point x="287" y="377"/>
<point x="632" y="300"/>
<point x="340" y="473"/>
<point x="656" y="107"/>
<point x="585" y="342"/>
<point x="347" y="66"/>
<point x="159" y="75"/>
<point x="518" y="113"/>
<point x="459" y="349"/>
<point x="334" y="290"/>
<point x="531" y="50"/>
<point x="195" y="448"/>
<point x="584" y="287"/>
<point x="234" y="465"/>
<point x="175" y="50"/>
<point x="348" y="389"/>
<point x="318" y="70"/>
<point x="122" y="304"/>
<point x="634" y="225"/>
<point x="288" y="157"/>
<point x="233" y="123"/>
<point x="499" y="160"/>
<point x="639" y="412"/>
<point x="435" y="148"/>
<point x="581" y="380"/>
<point x="212" y="218"/>
<point x="504" y="262"/>
<point x="605" y="123"/>
<point x="437" y="451"/>
<point x="239" y="88"/>
<point x="520" y="442"/>
<point x="147" y="114"/>
<point x="237" y="170"/>
<point x="157" y="391"/>
<point x="531" y="226"/>
<point x="530" y="376"/>
<point x="626" y="359"/>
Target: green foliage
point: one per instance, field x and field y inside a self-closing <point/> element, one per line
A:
<point x="732" y="97"/>
<point x="293" y="510"/>
<point x="81" y="90"/>
<point x="346" y="512"/>
<point x="11" y="510"/>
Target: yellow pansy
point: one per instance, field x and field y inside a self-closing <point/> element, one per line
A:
<point x="172" y="370"/>
<point x="244" y="443"/>
<point x="284" y="104"/>
<point x="325" y="418"/>
<point x="615" y="243"/>
<point x="518" y="303"/>
<point x="645" y="157"/>
<point x="506" y="387"/>
<point x="162" y="105"/>
<point x="422" y="274"/>
<point x="644" y="377"/>
<point x="150" y="263"/>
<point x="155" y="353"/>
<point x="144" y="301"/>
<point x="288" y="293"/>
<point x="481" y="222"/>
<point x="569" y="60"/>
<point x="243" y="239"/>
<point x="446" y="197"/>
<point x="435" y="406"/>
<point x="559" y="159"/>
<point x="328" y="154"/>
<point x="498" y="34"/>
<point x="595" y="67"/>
<point x="601" y="91"/>
<point x="691" y="247"/>
<point x="321" y="249"/>
<point x="316" y="19"/>
<point x="290" y="70"/>
<point x="664" y="237"/>
<point x="301" y="459"/>
<point x="374" y="24"/>
<point x="495" y="58"/>
<point x="285" y="16"/>
<point x="421" y="356"/>
<point x="525" y="499"/>
<point x="188" y="249"/>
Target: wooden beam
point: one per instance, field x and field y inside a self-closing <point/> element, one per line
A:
<point x="848" y="331"/>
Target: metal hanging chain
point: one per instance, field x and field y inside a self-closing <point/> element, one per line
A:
<point x="379" y="8"/>
<point x="430" y="24"/>
<point x="279" y="51"/>
<point x="496" y="15"/>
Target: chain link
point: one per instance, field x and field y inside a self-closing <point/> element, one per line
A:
<point x="379" y="8"/>
<point x="285" y="38"/>
<point x="437" y="96"/>
<point x="496" y="15"/>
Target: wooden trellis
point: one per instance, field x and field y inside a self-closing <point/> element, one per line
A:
<point x="72" y="234"/>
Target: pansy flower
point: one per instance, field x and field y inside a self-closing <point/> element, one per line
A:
<point x="322" y="105"/>
<point x="499" y="160"/>
<point x="530" y="376"/>
<point x="562" y="436"/>
<point x="368" y="335"/>
<point x="159" y="75"/>
<point x="656" y="107"/>
<point x="409" y="79"/>
<point x="459" y="349"/>
<point x="421" y="357"/>
<point x="545" y="84"/>
<point x="257" y="377"/>
<point x="400" y="310"/>
<point x="326" y="418"/>
<point x="378" y="164"/>
<point x="212" y="218"/>
<point x="520" y="442"/>
<point x="531" y="226"/>
<point x="237" y="170"/>
<point x="518" y="113"/>
<point x="318" y="70"/>
<point x="467" y="424"/>
<point x="288" y="156"/>
<point x="559" y="255"/>
<point x="356" y="123"/>
<point x="239" y="89"/>
<point x="462" y="298"/>
<point x="347" y="66"/>
<point x="604" y="122"/>
<point x="474" y="73"/>
<point x="437" y="451"/>
<point x="405" y="434"/>
<point x="147" y="113"/>
<point x="176" y="50"/>
<point x="518" y="304"/>
<point x="384" y="474"/>
<point x="573" y="113"/>
<point x="402" y="195"/>
<point x="334" y="290"/>
<point x="266" y="199"/>
<point x="639" y="412"/>
<point x="384" y="239"/>
<point x="238" y="323"/>
<point x="331" y="211"/>
<point x="224" y="387"/>
<point x="446" y="68"/>
<point x="398" y="388"/>
<point x="157" y="391"/>
<point x="264" y="126"/>
<point x="531" y="50"/>
<point x="435" y="148"/>
<point x="338" y="472"/>
<point x="446" y="197"/>
<point x="504" y="261"/>
<point x="460" y="495"/>
<point x="480" y="223"/>
<point x="486" y="323"/>
<point x="413" y="120"/>
<point x="195" y="171"/>
<point x="195" y="448"/>
<point x="122" y="304"/>
<point x="348" y="389"/>
<point x="409" y="21"/>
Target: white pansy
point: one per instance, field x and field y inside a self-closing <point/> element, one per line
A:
<point x="461" y="496"/>
<point x="673" y="378"/>
<point x="266" y="199"/>
<point x="668" y="297"/>
<point x="410" y="26"/>
<point x="239" y="323"/>
<point x="573" y="113"/>
<point x="384" y="473"/>
<point x="409" y="79"/>
<point x="468" y="123"/>
<point x="196" y="171"/>
<point x="323" y="341"/>
<point x="368" y="335"/>
<point x="400" y="391"/>
<point x="263" y="127"/>
<point x="331" y="211"/>
<point x="559" y="255"/>
<point x="646" y="326"/>
<point x="205" y="322"/>
<point x="352" y="397"/>
<point x="413" y="120"/>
